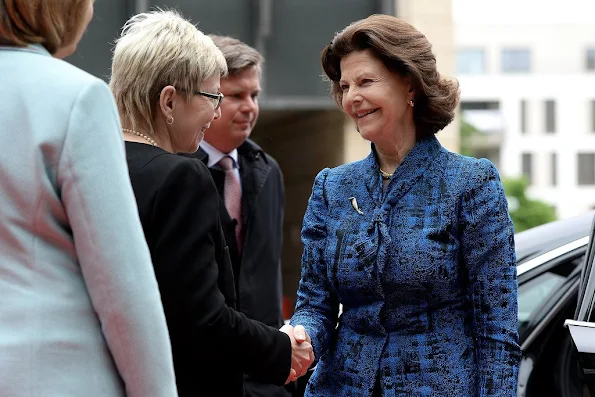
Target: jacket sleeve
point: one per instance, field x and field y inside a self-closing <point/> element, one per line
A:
<point x="279" y="225"/>
<point x="487" y="244"/>
<point x="317" y="305"/>
<point x="114" y="258"/>
<point x="186" y="224"/>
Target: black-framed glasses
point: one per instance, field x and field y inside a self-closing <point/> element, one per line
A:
<point x="218" y="97"/>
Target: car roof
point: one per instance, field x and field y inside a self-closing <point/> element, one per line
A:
<point x="544" y="238"/>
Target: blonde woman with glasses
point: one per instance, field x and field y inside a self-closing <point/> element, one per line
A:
<point x="81" y="313"/>
<point x="166" y="79"/>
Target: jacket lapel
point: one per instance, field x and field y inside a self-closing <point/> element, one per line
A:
<point x="254" y="171"/>
<point x="412" y="168"/>
<point x="407" y="173"/>
<point x="227" y="224"/>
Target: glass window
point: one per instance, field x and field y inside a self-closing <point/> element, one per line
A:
<point x="470" y="61"/>
<point x="550" y="116"/>
<point x="554" y="168"/>
<point x="516" y="60"/>
<point x="590" y="59"/>
<point x="523" y="116"/>
<point x="527" y="164"/>
<point x="586" y="169"/>
<point x="533" y="293"/>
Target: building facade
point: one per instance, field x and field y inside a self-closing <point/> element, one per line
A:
<point x="527" y="74"/>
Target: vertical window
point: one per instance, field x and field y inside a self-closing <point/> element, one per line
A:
<point x="470" y="61"/>
<point x="554" y="168"/>
<point x="592" y="115"/>
<point x="590" y="60"/>
<point x="550" y="116"/>
<point x="527" y="164"/>
<point x="515" y="60"/>
<point x="586" y="169"/>
<point x="523" y="116"/>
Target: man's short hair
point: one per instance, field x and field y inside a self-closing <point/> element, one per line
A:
<point x="238" y="55"/>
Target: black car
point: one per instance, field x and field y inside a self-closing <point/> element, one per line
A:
<point x="550" y="259"/>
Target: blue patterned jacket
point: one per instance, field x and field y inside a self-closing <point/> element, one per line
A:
<point x="426" y="274"/>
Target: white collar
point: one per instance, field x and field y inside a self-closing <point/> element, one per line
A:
<point x="215" y="155"/>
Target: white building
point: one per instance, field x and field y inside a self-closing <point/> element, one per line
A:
<point x="527" y="75"/>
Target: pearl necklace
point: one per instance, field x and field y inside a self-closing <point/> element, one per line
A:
<point x="145" y="137"/>
<point x="385" y="175"/>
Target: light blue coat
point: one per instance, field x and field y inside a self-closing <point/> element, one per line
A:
<point x="80" y="311"/>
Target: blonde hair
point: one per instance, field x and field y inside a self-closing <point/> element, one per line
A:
<point x="406" y="52"/>
<point x="51" y="23"/>
<point x="157" y="49"/>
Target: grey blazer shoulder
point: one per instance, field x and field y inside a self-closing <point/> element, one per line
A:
<point x="81" y="312"/>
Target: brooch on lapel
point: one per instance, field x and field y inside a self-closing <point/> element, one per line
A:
<point x="354" y="204"/>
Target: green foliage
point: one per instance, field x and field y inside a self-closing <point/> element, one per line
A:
<point x="525" y="213"/>
<point x="466" y="131"/>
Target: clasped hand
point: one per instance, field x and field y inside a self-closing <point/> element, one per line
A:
<point x="302" y="354"/>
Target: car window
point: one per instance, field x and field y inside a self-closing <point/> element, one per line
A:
<point x="585" y="308"/>
<point x="534" y="292"/>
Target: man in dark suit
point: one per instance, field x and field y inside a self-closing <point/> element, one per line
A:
<point x="251" y="189"/>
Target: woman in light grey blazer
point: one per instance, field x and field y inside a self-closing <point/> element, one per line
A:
<point x="80" y="311"/>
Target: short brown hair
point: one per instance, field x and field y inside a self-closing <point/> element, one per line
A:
<point x="405" y="51"/>
<point x="238" y="55"/>
<point x="52" y="23"/>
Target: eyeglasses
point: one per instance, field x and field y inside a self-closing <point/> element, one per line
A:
<point x="218" y="97"/>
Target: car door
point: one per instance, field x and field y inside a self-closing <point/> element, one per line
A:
<point x="582" y="328"/>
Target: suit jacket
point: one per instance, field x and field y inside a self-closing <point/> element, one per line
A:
<point x="213" y="344"/>
<point x="426" y="273"/>
<point x="72" y="322"/>
<point x="258" y="269"/>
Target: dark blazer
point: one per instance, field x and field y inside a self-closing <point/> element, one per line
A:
<point x="213" y="344"/>
<point x="426" y="273"/>
<point x="258" y="270"/>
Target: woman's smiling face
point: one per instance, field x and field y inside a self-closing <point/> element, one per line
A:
<point x="374" y="97"/>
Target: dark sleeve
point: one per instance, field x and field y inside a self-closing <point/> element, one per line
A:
<point x="281" y="195"/>
<point x="185" y="222"/>
<point x="487" y="244"/>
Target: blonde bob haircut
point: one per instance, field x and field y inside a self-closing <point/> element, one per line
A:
<point x="157" y="49"/>
<point x="51" y="23"/>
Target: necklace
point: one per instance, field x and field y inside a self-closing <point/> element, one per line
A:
<point x="145" y="137"/>
<point x="385" y="175"/>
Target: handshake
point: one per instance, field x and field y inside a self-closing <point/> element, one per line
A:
<point x="302" y="354"/>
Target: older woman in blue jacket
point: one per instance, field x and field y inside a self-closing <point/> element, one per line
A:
<point x="414" y="241"/>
